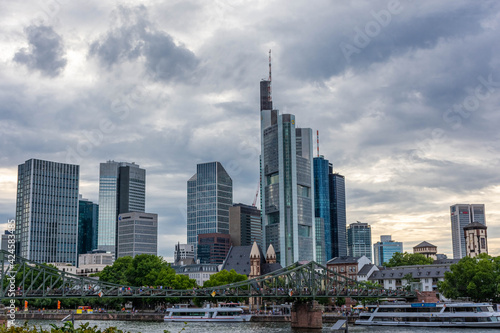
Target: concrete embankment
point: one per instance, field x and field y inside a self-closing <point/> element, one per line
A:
<point x="139" y="316"/>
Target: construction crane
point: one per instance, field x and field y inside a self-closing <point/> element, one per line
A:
<point x="256" y="194"/>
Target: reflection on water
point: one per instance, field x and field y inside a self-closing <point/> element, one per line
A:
<point x="155" y="327"/>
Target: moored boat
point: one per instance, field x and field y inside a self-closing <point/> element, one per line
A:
<point x="430" y="315"/>
<point x="207" y="314"/>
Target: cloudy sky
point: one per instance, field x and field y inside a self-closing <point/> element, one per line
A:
<point x="405" y="95"/>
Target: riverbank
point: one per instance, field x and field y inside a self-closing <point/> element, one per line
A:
<point x="145" y="316"/>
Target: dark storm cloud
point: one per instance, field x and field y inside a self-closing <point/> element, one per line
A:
<point x="333" y="46"/>
<point x="45" y="52"/>
<point x="135" y="36"/>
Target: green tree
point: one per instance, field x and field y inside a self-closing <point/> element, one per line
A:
<point x="408" y="259"/>
<point x="368" y="300"/>
<point x="224" y="277"/>
<point x="477" y="278"/>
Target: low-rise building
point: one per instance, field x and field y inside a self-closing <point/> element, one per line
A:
<point x="199" y="272"/>
<point x="366" y="271"/>
<point x="347" y="266"/>
<point x="427" y="249"/>
<point x="94" y="262"/>
<point x="427" y="276"/>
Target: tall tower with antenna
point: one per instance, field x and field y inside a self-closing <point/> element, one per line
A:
<point x="287" y="184"/>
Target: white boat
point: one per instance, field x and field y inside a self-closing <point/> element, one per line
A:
<point x="430" y="315"/>
<point x="207" y="314"/>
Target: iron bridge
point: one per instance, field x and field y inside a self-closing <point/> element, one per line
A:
<point x="25" y="279"/>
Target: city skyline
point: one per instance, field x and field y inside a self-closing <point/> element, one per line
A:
<point x="409" y="142"/>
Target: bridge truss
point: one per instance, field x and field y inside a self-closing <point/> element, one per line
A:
<point x="25" y="279"/>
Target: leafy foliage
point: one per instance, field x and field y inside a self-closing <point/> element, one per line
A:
<point x="66" y="328"/>
<point x="408" y="259"/>
<point x="477" y="278"/>
<point x="145" y="270"/>
<point x="224" y="277"/>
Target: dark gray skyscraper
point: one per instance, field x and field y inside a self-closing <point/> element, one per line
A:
<point x="209" y="196"/>
<point x="122" y="189"/>
<point x="287" y="184"/>
<point x="88" y="213"/>
<point x="47" y="211"/>
<point x="461" y="216"/>
<point x="337" y="214"/>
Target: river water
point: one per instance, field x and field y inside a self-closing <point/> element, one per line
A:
<point x="155" y="327"/>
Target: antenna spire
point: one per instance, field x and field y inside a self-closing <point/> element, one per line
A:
<point x="270" y="78"/>
<point x="317" y="141"/>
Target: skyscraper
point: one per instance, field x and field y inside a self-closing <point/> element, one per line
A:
<point x="385" y="249"/>
<point x="122" y="189"/>
<point x="462" y="215"/>
<point x="88" y="213"/>
<point x="337" y="213"/>
<point x="322" y="201"/>
<point x="287" y="184"/>
<point x="47" y="211"/>
<point x="359" y="240"/>
<point x="244" y="225"/>
<point x="137" y="234"/>
<point x="209" y="196"/>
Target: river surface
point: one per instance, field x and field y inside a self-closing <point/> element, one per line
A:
<point x="155" y="327"/>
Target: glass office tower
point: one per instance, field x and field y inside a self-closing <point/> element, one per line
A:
<point x="359" y="240"/>
<point x="88" y="213"/>
<point x="47" y="211"/>
<point x="287" y="184"/>
<point x="244" y="225"/>
<point x="461" y="216"/>
<point x="385" y="249"/>
<point x="122" y="189"/>
<point x="337" y="214"/>
<point x="322" y="201"/>
<point x="209" y="197"/>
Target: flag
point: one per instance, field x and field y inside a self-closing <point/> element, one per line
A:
<point x="100" y="294"/>
<point x="213" y="293"/>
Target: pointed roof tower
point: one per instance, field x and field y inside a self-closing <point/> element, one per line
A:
<point x="255" y="253"/>
<point x="270" y="255"/>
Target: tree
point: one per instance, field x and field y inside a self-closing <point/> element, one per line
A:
<point x="224" y="277"/>
<point x="477" y="278"/>
<point x="367" y="300"/>
<point x="408" y="259"/>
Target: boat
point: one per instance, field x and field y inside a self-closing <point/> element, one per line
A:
<point x="430" y="315"/>
<point x="221" y="313"/>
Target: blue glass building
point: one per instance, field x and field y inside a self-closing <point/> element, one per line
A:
<point x="88" y="213"/>
<point x="47" y="211"/>
<point x="338" y="218"/>
<point x="385" y="249"/>
<point x="322" y="202"/>
<point x="122" y="189"/>
<point x="209" y="197"/>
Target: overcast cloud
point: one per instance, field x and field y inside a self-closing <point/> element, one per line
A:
<point x="405" y="96"/>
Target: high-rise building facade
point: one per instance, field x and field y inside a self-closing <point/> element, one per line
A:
<point x="322" y="202"/>
<point x="244" y="225"/>
<point x="213" y="248"/>
<point x="287" y="184"/>
<point x="47" y="211"/>
<point x="359" y="240"/>
<point x="385" y="249"/>
<point x="338" y="219"/>
<point x="137" y="234"/>
<point x="88" y="213"/>
<point x="122" y="189"/>
<point x="209" y="197"/>
<point x="462" y="215"/>
<point x="320" y="240"/>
